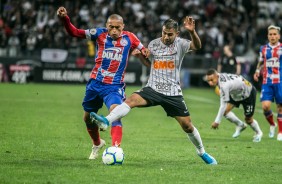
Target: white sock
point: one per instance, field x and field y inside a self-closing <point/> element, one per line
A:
<point x="230" y="116"/>
<point x="195" y="138"/>
<point x="118" y="112"/>
<point x="255" y="126"/>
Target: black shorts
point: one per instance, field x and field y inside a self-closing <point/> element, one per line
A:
<point x="249" y="103"/>
<point x="173" y="105"/>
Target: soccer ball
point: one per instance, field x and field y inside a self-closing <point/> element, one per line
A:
<point x="113" y="156"/>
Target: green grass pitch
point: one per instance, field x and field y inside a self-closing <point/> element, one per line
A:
<point x="43" y="140"/>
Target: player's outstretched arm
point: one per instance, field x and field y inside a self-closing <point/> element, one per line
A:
<point x="189" y="25"/>
<point x="71" y="29"/>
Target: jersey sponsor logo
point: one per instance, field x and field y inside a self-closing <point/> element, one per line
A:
<point x="274" y="76"/>
<point x="93" y="31"/>
<point x="160" y="65"/>
<point x="106" y="73"/>
<point x="123" y="42"/>
<point x="163" y="86"/>
<point x="272" y="62"/>
<point x="112" y="54"/>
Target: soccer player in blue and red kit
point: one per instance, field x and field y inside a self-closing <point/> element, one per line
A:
<point x="106" y="85"/>
<point x="271" y="59"/>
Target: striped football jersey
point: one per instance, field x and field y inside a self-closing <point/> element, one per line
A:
<point x="166" y="63"/>
<point x="271" y="56"/>
<point x="111" y="57"/>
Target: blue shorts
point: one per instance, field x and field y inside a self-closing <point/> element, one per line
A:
<point x="271" y="92"/>
<point x="98" y="93"/>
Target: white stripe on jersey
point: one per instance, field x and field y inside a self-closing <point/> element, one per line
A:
<point x="166" y="64"/>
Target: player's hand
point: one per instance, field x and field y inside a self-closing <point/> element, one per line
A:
<point x="62" y="12"/>
<point x="189" y="24"/>
<point x="145" y="52"/>
<point x="256" y="76"/>
<point x="135" y="52"/>
<point x="214" y="125"/>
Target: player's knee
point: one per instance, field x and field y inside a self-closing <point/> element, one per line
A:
<point x="187" y="127"/>
<point x="266" y="107"/>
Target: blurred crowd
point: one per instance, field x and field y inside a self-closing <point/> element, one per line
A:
<point x="27" y="26"/>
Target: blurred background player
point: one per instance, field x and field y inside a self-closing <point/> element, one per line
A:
<point x="235" y="90"/>
<point x="163" y="87"/>
<point x="228" y="63"/>
<point x="270" y="58"/>
<point x="113" y="47"/>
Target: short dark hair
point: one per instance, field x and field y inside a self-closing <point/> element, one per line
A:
<point x="170" y="23"/>
<point x="211" y="71"/>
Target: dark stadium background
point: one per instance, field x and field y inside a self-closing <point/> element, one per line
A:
<point x="34" y="47"/>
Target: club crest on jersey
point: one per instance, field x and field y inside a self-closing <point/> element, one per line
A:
<point x="112" y="54"/>
<point x="123" y="42"/>
<point x="93" y="31"/>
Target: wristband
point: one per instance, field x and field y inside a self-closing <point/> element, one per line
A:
<point x="257" y="70"/>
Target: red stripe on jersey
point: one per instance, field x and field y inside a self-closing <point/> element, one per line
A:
<point x="275" y="70"/>
<point x="134" y="40"/>
<point x="114" y="65"/>
<point x="264" y="72"/>
<point x="99" y="59"/>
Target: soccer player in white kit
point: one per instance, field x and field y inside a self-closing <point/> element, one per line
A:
<point x="163" y="87"/>
<point x="235" y="90"/>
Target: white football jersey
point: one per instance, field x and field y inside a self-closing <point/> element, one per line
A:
<point x="235" y="86"/>
<point x="166" y="63"/>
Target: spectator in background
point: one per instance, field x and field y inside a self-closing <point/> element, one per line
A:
<point x="13" y="46"/>
<point x="31" y="42"/>
<point x="230" y="15"/>
<point x="3" y="39"/>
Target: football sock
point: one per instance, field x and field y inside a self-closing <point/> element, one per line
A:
<point x="118" y="112"/>
<point x="255" y="126"/>
<point x="230" y="116"/>
<point x="195" y="138"/>
<point x="279" y="121"/>
<point x="269" y="117"/>
<point x="116" y="133"/>
<point x="93" y="131"/>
